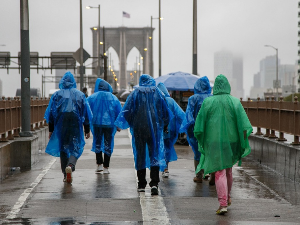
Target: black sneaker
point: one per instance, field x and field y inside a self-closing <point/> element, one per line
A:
<point x="154" y="190"/>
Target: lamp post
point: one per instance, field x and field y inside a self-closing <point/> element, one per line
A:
<point x="277" y="84"/>
<point x="159" y="49"/>
<point x="195" y="37"/>
<point x="99" y="43"/>
<point x="25" y="70"/>
<point x="159" y="43"/>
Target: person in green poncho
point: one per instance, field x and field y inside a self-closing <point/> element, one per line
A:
<point x="222" y="129"/>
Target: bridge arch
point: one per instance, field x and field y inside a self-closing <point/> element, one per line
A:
<point x="123" y="39"/>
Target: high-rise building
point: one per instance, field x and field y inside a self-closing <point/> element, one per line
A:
<point x="230" y="65"/>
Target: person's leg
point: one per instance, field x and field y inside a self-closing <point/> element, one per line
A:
<point x="142" y="182"/>
<point x="99" y="161"/>
<point x="63" y="162"/>
<point x="106" y="161"/>
<point x="72" y="162"/>
<point x="229" y="184"/>
<point x="107" y="132"/>
<point x="198" y="177"/>
<point x="154" y="176"/>
<point x="221" y="186"/>
<point x="98" y="136"/>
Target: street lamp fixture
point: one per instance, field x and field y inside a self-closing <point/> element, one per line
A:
<point x="95" y="28"/>
<point x="101" y="43"/>
<point x="277" y="84"/>
<point x="145" y="49"/>
<point x="142" y="57"/>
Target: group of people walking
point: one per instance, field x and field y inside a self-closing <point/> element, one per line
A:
<point x="216" y="126"/>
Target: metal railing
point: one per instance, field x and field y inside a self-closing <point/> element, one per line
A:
<point x="272" y="115"/>
<point x="10" y="116"/>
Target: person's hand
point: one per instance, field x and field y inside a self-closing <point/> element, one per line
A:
<point x="50" y="133"/>
<point x="166" y="129"/>
<point x="87" y="135"/>
<point x="119" y="129"/>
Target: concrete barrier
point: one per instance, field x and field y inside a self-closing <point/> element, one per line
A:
<point x="281" y="157"/>
<point x="22" y="152"/>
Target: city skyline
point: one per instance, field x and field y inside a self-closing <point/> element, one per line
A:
<point x="244" y="28"/>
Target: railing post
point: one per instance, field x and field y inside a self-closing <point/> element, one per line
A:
<point x="268" y="124"/>
<point x="272" y="135"/>
<point x="296" y="138"/>
<point x="281" y="134"/>
<point x="9" y="119"/>
<point x="32" y="114"/>
<point x="258" y="132"/>
<point x="3" y="135"/>
<point x="17" y="117"/>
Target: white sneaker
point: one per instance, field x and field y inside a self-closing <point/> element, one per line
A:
<point x="105" y="171"/>
<point x="69" y="177"/>
<point x="99" y="168"/>
<point x="165" y="174"/>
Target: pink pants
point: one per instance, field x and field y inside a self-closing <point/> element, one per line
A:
<point x="223" y="180"/>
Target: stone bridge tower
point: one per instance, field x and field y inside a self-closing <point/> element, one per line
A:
<point x="123" y="39"/>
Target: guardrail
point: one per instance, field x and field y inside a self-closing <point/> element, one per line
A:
<point x="10" y="116"/>
<point x="272" y="115"/>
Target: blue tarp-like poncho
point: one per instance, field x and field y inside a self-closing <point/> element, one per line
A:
<point x="105" y="108"/>
<point x="173" y="128"/>
<point x="68" y="110"/>
<point x="146" y="113"/>
<point x="202" y="90"/>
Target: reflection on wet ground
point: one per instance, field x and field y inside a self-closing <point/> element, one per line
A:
<point x="275" y="185"/>
<point x="65" y="221"/>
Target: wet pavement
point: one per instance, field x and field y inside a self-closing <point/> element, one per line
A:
<point x="38" y="196"/>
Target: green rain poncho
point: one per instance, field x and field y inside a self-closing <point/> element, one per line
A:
<point x="219" y="129"/>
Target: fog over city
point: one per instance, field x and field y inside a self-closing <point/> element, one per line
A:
<point x="240" y="26"/>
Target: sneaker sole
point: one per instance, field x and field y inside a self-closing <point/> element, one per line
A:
<point x="69" y="175"/>
<point x="141" y="190"/>
<point x="221" y="212"/>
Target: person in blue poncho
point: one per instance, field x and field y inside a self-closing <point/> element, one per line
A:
<point x="67" y="113"/>
<point x="173" y="128"/>
<point x="147" y="114"/>
<point x="202" y="90"/>
<point x="105" y="108"/>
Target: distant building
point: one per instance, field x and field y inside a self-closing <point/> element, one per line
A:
<point x="230" y="65"/>
<point x="264" y="79"/>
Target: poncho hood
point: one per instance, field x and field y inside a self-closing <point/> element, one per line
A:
<point x="102" y="85"/>
<point x="147" y="80"/>
<point x="163" y="89"/>
<point x="202" y="86"/>
<point x="67" y="81"/>
<point x="221" y="85"/>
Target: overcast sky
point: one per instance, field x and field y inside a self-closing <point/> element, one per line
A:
<point x="242" y="26"/>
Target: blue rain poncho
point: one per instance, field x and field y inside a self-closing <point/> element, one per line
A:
<point x="105" y="108"/>
<point x="173" y="128"/>
<point x="202" y="90"/>
<point x="222" y="129"/>
<point x="146" y="113"/>
<point x="68" y="110"/>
